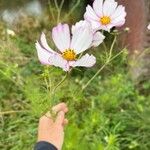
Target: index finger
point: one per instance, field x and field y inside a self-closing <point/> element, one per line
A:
<point x="60" y="118"/>
<point x="60" y="107"/>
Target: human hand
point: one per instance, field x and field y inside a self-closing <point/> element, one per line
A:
<point x="51" y="130"/>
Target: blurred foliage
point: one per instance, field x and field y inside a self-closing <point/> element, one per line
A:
<point x="113" y="113"/>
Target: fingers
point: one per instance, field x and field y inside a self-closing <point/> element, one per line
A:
<point x="60" y="107"/>
<point x="60" y="118"/>
<point x="48" y="115"/>
<point x="65" y="122"/>
<point x="46" y="119"/>
<point x="60" y="110"/>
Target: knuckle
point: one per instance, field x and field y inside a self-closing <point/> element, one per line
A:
<point x="63" y="104"/>
<point x="43" y="118"/>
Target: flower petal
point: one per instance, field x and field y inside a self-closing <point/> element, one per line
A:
<point x="85" y="61"/>
<point x="98" y="38"/>
<point x="61" y="36"/>
<point x="58" y="61"/>
<point x="43" y="54"/>
<point x="117" y="22"/>
<point x="78" y="25"/>
<point x="118" y="18"/>
<point x="109" y="7"/>
<point x="82" y="39"/>
<point x="106" y="27"/>
<point x="97" y="6"/>
<point x="90" y="14"/>
<point x="43" y="43"/>
<point x="119" y="12"/>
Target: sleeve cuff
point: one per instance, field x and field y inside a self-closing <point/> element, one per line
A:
<point x="42" y="145"/>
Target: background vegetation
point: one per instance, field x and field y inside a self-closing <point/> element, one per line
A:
<point x="112" y="113"/>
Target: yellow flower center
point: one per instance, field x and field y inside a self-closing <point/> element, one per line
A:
<point x="69" y="55"/>
<point x="105" y="20"/>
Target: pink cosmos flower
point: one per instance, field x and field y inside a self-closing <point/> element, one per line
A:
<point x="105" y="14"/>
<point x="69" y="46"/>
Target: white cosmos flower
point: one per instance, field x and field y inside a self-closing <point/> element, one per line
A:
<point x="98" y="37"/>
<point x="69" y="46"/>
<point x="105" y="14"/>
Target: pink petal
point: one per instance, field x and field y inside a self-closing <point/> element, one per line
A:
<point x="119" y="12"/>
<point x="43" y="43"/>
<point x="90" y="14"/>
<point x="98" y="38"/>
<point x="109" y="7"/>
<point x="78" y="25"/>
<point x="61" y="36"/>
<point x="118" y="23"/>
<point x="85" y="61"/>
<point x="97" y="6"/>
<point x="57" y="61"/>
<point x="43" y="54"/>
<point x="82" y="38"/>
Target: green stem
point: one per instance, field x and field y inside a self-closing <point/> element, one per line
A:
<point x="60" y="83"/>
<point x="85" y="86"/>
<point x="105" y="49"/>
<point x="117" y="55"/>
<point x="72" y="10"/>
<point x="107" y="61"/>
<point x="59" y="11"/>
<point x="50" y="9"/>
<point x="112" y="46"/>
<point x="12" y="112"/>
<point x="57" y="7"/>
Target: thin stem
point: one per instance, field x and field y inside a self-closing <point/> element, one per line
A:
<point x="50" y="9"/>
<point x="107" y="61"/>
<point x="56" y="4"/>
<point x="12" y="112"/>
<point x="60" y="83"/>
<point x="47" y="85"/>
<point x="105" y="48"/>
<point x="117" y="55"/>
<point x="13" y="81"/>
<point x="45" y="79"/>
<point x="59" y="11"/>
<point x="85" y="86"/>
<point x="50" y="85"/>
<point x="112" y="46"/>
<point x="72" y="10"/>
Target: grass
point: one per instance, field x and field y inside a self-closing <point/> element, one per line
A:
<point x="110" y="114"/>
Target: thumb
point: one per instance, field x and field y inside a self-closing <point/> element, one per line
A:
<point x="60" y="118"/>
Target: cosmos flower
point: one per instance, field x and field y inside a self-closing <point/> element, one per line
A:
<point x="69" y="46"/>
<point x="98" y="37"/>
<point x="105" y="14"/>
